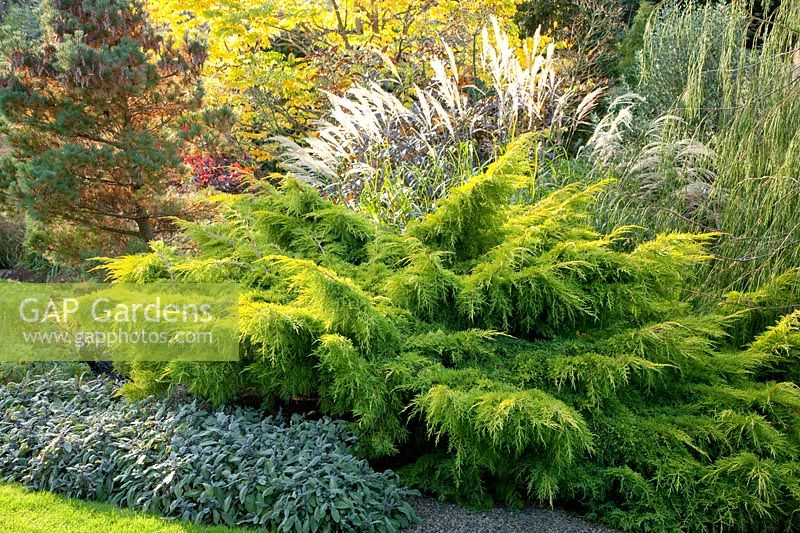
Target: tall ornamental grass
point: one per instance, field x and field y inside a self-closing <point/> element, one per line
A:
<point x="711" y="142"/>
<point x="395" y="155"/>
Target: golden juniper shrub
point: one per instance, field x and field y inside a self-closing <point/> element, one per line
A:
<point x="508" y="349"/>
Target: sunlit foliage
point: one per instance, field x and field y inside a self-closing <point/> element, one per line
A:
<point x="272" y="60"/>
<point x="506" y="347"/>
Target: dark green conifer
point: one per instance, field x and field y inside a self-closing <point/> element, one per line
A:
<point x="89" y="116"/>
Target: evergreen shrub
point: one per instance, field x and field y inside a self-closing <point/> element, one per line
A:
<point x="507" y="350"/>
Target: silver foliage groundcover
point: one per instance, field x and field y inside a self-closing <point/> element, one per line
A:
<point x="74" y="437"/>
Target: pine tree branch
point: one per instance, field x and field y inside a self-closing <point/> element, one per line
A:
<point x="101" y="227"/>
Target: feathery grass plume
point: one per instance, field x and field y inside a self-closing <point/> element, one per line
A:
<point x="397" y="161"/>
<point x="662" y="170"/>
<point x="725" y="152"/>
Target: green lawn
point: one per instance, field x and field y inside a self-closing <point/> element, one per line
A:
<point x="22" y="511"/>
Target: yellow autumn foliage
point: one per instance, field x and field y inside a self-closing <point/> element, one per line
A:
<point x="271" y="61"/>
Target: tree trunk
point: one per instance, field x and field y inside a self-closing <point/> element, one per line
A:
<point x="146" y="230"/>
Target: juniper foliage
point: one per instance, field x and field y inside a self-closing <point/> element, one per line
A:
<point x="508" y="348"/>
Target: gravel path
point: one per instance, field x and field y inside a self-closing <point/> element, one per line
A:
<point x="438" y="517"/>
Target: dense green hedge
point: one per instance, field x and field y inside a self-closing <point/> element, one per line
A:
<point x="74" y="437"/>
<point x="508" y="348"/>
